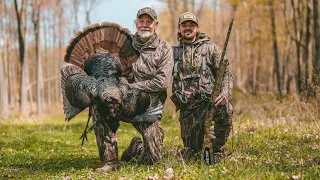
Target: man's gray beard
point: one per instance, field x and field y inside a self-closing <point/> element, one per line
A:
<point x="145" y="34"/>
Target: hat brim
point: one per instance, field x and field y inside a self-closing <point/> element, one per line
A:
<point x="188" y="20"/>
<point x="148" y="15"/>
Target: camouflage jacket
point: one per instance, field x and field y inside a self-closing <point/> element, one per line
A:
<point x="195" y="67"/>
<point x="152" y="71"/>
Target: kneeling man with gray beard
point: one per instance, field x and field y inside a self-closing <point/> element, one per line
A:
<point x="151" y="73"/>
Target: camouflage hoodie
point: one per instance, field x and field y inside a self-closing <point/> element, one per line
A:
<point x="195" y="67"/>
<point x="153" y="71"/>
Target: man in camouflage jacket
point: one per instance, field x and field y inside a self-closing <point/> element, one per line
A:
<point x="151" y="73"/>
<point x="196" y="61"/>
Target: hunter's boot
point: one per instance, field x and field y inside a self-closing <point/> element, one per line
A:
<point x="134" y="147"/>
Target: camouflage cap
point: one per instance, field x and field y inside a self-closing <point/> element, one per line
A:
<point x="188" y="16"/>
<point x="148" y="11"/>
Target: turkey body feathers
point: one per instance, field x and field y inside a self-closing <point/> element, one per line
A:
<point x="103" y="65"/>
<point x="99" y="56"/>
<point x="76" y="88"/>
<point x="112" y="99"/>
<point x="80" y="91"/>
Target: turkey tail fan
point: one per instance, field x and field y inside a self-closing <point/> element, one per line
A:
<point x="105" y="38"/>
<point x="78" y="90"/>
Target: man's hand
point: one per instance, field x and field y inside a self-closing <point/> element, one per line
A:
<point x="124" y="81"/>
<point x="221" y="100"/>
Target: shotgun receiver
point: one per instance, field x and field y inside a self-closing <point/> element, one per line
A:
<point x="207" y="146"/>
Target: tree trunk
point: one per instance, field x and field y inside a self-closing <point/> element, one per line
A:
<point x="306" y="46"/>
<point x="60" y="5"/>
<point x="237" y="49"/>
<point x="4" y="94"/>
<point x="45" y="67"/>
<point x="214" y="19"/>
<point x="12" y="75"/>
<point x="29" y="93"/>
<point x="48" y="43"/>
<point x="238" y="79"/>
<point x="251" y="60"/>
<point x="275" y="47"/>
<point x="24" y="67"/>
<point x="90" y="5"/>
<point x="75" y="15"/>
<point x="287" y="67"/>
<point x="23" y="89"/>
<point x="316" y="60"/>
<point x="222" y="25"/>
<point x="88" y="18"/>
<point x="36" y="27"/>
<point x="172" y="4"/>
<point x="298" y="42"/>
<point x="56" y="60"/>
<point x="257" y="66"/>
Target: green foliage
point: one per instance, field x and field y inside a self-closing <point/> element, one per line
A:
<point x="266" y="149"/>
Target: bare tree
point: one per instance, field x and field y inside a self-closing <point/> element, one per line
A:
<point x="4" y="101"/>
<point x="4" y="94"/>
<point x="48" y="55"/>
<point x="12" y="69"/>
<point x="275" y="47"/>
<point x="214" y="17"/>
<point x="251" y="61"/>
<point x="287" y="67"/>
<point x="36" y="4"/>
<point x="75" y="4"/>
<point x="60" y="17"/>
<point x="89" y="6"/>
<point x="316" y="60"/>
<point x="222" y="20"/>
<point x="172" y="4"/>
<point x="297" y="42"/>
<point x="306" y="45"/>
<point x="21" y="29"/>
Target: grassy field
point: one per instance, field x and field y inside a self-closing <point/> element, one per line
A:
<point x="270" y="141"/>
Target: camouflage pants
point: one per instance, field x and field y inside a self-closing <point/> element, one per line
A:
<point x="148" y="152"/>
<point x="192" y="127"/>
<point x="105" y="132"/>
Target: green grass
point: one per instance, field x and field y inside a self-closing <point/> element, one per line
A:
<point x="267" y="145"/>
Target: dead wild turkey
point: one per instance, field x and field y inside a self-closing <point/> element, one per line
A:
<point x="99" y="56"/>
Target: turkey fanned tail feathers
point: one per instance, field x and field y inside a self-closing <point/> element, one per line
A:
<point x="99" y="39"/>
<point x="99" y="56"/>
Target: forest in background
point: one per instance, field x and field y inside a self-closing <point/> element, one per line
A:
<point x="274" y="46"/>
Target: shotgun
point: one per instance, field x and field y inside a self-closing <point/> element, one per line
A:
<point x="207" y="146"/>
